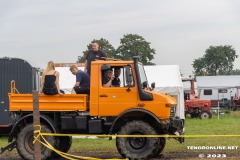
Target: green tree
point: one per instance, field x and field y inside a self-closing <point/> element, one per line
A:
<point x="218" y="60"/>
<point x="132" y="44"/>
<point x="104" y="45"/>
<point x="235" y="72"/>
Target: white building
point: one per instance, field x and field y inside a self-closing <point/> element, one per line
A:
<point x="217" y="87"/>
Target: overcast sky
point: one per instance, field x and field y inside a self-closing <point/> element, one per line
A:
<point x="59" y="30"/>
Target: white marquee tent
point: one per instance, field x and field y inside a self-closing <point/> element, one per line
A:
<point x="66" y="80"/>
<point x="168" y="80"/>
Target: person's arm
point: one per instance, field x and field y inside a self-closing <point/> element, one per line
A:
<point x="42" y="82"/>
<point x="77" y="84"/>
<point x="78" y="79"/>
<point x="109" y="83"/>
<point x="85" y="65"/>
<point x="57" y="82"/>
<point x="103" y="56"/>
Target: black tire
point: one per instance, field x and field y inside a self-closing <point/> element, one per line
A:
<point x="137" y="148"/>
<point x="65" y="143"/>
<point x="205" y="115"/>
<point x="25" y="147"/>
<point x="161" y="145"/>
<point x="235" y="106"/>
<point x="194" y="115"/>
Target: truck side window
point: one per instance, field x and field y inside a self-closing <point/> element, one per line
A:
<point x="111" y="76"/>
<point x="116" y="76"/>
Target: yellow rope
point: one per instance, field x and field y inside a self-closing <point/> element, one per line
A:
<point x="135" y="136"/>
<point x="73" y="157"/>
<point x="48" y="145"/>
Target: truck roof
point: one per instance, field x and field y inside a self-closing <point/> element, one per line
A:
<point x="111" y="62"/>
<point x="108" y="61"/>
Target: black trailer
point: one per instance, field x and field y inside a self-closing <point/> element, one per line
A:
<point x="26" y="78"/>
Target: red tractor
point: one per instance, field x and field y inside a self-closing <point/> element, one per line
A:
<point x="236" y="99"/>
<point x="193" y="105"/>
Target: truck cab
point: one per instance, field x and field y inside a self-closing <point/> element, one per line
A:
<point x="132" y="108"/>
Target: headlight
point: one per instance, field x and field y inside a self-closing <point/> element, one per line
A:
<point x="172" y="111"/>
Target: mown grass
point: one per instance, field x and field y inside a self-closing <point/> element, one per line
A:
<point x="228" y="124"/>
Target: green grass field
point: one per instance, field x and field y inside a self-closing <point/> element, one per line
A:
<point x="228" y="124"/>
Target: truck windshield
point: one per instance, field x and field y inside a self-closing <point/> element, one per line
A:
<point x="142" y="74"/>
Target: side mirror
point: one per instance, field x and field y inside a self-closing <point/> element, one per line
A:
<point x="144" y="84"/>
<point x="128" y="75"/>
<point x="153" y="85"/>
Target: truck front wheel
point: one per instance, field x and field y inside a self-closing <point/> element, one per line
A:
<point x="25" y="146"/>
<point x="161" y="145"/>
<point x="137" y="147"/>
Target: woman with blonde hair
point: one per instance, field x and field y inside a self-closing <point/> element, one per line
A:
<point x="50" y="80"/>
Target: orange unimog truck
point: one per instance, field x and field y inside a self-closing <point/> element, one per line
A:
<point x="133" y="108"/>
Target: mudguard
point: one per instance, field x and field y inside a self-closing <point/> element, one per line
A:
<point x="128" y="112"/>
<point x="42" y="117"/>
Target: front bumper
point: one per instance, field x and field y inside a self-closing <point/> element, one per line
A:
<point x="177" y="123"/>
<point x="177" y="128"/>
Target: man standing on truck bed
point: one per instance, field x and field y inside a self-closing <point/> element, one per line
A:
<point x="94" y="54"/>
<point x="82" y="85"/>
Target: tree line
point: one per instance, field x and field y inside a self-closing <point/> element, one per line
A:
<point x="217" y="60"/>
<point x="130" y="45"/>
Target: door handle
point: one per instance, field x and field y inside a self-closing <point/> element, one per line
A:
<point x="103" y="95"/>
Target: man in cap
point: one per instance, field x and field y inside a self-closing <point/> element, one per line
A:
<point x="107" y="78"/>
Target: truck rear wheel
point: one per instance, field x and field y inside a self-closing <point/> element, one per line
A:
<point x="137" y="147"/>
<point x="205" y="115"/>
<point x="65" y="143"/>
<point x="25" y="146"/>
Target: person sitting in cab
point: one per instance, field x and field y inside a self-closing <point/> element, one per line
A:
<point x="107" y="75"/>
<point x="116" y="82"/>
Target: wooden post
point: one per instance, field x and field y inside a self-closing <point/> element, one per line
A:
<point x="36" y="121"/>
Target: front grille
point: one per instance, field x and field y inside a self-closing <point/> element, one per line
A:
<point x="172" y="111"/>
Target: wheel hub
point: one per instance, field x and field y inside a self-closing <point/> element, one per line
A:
<point x="137" y="143"/>
<point x="28" y="143"/>
<point x="205" y="116"/>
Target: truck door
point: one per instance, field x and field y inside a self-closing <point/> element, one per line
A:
<point x="115" y="99"/>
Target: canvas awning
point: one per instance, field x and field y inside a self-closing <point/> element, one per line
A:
<point x="168" y="80"/>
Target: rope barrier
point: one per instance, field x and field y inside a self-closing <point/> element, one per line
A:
<point x="73" y="157"/>
<point x="65" y="155"/>
<point x="138" y="136"/>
